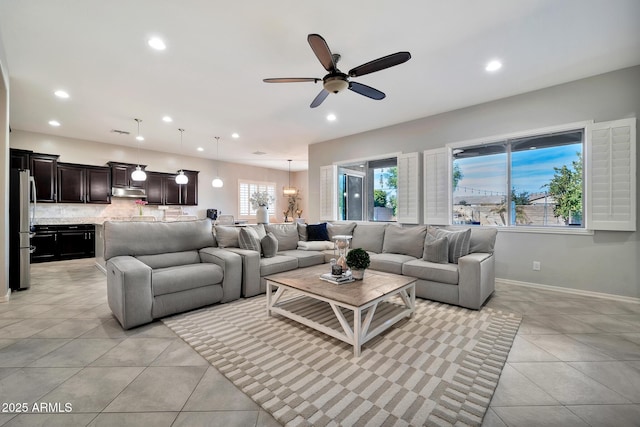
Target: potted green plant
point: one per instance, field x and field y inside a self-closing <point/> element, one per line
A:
<point x="358" y="260"/>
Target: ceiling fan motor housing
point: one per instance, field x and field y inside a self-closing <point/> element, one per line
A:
<point x="335" y="82"/>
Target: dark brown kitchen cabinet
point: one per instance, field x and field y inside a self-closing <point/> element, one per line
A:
<point x="190" y="190"/>
<point x="44" y="171"/>
<point x="162" y="189"/>
<point x="83" y="184"/>
<point x="19" y="158"/>
<point x="58" y="242"/>
<point x="121" y="175"/>
<point x="98" y="185"/>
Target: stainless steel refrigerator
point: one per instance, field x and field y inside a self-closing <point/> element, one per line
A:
<point x="21" y="192"/>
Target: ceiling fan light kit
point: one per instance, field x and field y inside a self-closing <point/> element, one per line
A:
<point x="337" y="81"/>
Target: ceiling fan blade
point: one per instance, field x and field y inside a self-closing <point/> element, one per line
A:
<point x="321" y="49"/>
<point x="292" y="80"/>
<point x="380" y="64"/>
<point x="367" y="91"/>
<point x="318" y="99"/>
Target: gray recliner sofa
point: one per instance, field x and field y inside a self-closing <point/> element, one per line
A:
<point x="155" y="269"/>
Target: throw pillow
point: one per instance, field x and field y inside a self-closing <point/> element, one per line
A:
<point x="317" y="232"/>
<point x="259" y="229"/>
<point x="369" y="237"/>
<point x="227" y="236"/>
<point x="287" y="235"/>
<point x="249" y="239"/>
<point x="404" y="240"/>
<point x="459" y="242"/>
<point x="269" y="245"/>
<point x="436" y="249"/>
<point x="302" y="232"/>
<point x="340" y="229"/>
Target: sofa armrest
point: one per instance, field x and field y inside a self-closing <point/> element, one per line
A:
<point x="231" y="265"/>
<point x="129" y="291"/>
<point x="250" y="271"/>
<point x="476" y="279"/>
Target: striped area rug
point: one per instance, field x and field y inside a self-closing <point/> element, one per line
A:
<point x="439" y="368"/>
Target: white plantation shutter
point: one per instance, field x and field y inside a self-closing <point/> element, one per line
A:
<point x="329" y="193"/>
<point x="610" y="167"/>
<point x="246" y="189"/>
<point x="437" y="186"/>
<point x="408" y="188"/>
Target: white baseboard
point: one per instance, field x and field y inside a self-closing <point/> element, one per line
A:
<point x="570" y="291"/>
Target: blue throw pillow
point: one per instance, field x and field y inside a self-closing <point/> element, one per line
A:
<point x="317" y="232"/>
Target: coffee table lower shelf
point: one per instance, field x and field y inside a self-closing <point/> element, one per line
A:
<point x="353" y="325"/>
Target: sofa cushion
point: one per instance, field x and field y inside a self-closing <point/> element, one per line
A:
<point x="315" y="246"/>
<point x="287" y="235"/>
<point x="404" y="240"/>
<point x="259" y="228"/>
<point x="391" y="263"/>
<point x="248" y="239"/>
<point x="436" y="249"/>
<point x="170" y="259"/>
<point x="340" y="229"/>
<point x="269" y="245"/>
<point x="442" y="273"/>
<point x="317" y="232"/>
<point x="483" y="240"/>
<point x="459" y="241"/>
<point x="369" y="237"/>
<point x="305" y="258"/>
<point x="277" y="264"/>
<point x="148" y="238"/>
<point x="181" y="278"/>
<point x="227" y="236"/>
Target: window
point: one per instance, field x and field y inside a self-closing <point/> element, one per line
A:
<point x="528" y="181"/>
<point x="246" y="189"/>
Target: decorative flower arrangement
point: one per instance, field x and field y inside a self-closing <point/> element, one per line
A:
<point x="140" y="204"/>
<point x="260" y="198"/>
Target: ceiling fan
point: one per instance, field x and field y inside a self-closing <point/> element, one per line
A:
<point x="336" y="80"/>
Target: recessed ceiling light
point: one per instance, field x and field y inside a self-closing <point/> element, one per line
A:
<point x="235" y="135"/>
<point x="140" y="138"/>
<point x="331" y="117"/>
<point x="494" y="65"/>
<point x="61" y="94"/>
<point x="259" y="153"/>
<point x="54" y="123"/>
<point x="167" y="119"/>
<point x="157" y="43"/>
<point x="200" y="149"/>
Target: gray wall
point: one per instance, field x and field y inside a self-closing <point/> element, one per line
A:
<point x="606" y="262"/>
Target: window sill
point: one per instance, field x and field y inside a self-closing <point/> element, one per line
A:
<point x="546" y="230"/>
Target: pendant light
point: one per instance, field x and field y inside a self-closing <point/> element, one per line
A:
<point x="289" y="190"/>
<point x="181" y="178"/>
<point x="217" y="181"/>
<point x="138" y="174"/>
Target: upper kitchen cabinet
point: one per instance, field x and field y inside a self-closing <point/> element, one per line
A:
<point x="121" y="175"/>
<point x="44" y="171"/>
<point x="19" y="158"/>
<point x="190" y="190"/>
<point x="83" y="184"/>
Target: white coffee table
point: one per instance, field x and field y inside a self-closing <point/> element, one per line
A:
<point x="354" y="313"/>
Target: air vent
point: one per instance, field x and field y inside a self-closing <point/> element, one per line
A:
<point x="121" y="132"/>
<point x="259" y="153"/>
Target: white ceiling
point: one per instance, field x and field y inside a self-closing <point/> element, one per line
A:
<point x="209" y="79"/>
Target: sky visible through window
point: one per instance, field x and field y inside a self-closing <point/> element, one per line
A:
<point x="530" y="170"/>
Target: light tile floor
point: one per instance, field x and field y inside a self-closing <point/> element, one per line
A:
<point x="575" y="361"/>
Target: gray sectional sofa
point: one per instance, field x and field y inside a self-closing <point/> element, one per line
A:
<point x="155" y="269"/>
<point x="466" y="279"/>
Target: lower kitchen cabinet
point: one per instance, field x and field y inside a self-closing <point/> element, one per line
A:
<point x="59" y="242"/>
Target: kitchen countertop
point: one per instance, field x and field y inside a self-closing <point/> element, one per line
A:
<point x="78" y="220"/>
